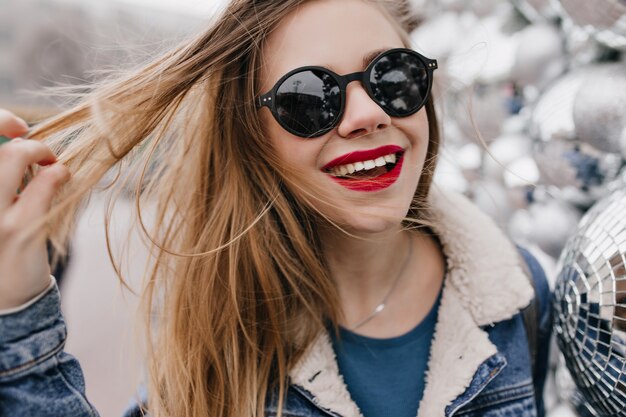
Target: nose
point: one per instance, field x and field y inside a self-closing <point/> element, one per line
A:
<point x="361" y="114"/>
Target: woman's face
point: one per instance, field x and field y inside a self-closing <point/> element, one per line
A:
<point x="338" y="35"/>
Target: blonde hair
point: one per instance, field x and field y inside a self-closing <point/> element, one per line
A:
<point x="238" y="288"/>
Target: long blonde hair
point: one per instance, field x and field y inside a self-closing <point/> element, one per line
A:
<point x="238" y="288"/>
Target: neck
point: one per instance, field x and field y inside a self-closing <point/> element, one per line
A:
<point x="365" y="267"/>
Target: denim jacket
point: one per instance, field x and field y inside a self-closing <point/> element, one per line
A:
<point x="479" y="363"/>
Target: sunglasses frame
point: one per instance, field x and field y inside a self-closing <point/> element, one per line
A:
<point x="269" y="99"/>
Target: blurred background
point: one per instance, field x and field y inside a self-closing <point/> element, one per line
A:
<point x="46" y="43"/>
<point x="532" y="97"/>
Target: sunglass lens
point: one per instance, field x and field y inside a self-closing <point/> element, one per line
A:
<point x="400" y="83"/>
<point x="308" y="102"/>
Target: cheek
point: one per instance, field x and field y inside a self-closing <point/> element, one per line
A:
<point x="291" y="151"/>
<point x="274" y="135"/>
<point x="416" y="129"/>
<point x="421" y="126"/>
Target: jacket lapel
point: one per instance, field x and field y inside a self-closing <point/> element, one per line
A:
<point x="484" y="285"/>
<point x="318" y="374"/>
<point x="483" y="265"/>
<point x="457" y="350"/>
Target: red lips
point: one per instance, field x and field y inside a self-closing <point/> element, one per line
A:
<point x="368" y="184"/>
<point x="359" y="156"/>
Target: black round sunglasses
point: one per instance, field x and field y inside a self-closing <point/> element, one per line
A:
<point x="309" y="101"/>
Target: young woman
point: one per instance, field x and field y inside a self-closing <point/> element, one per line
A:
<point x="303" y="263"/>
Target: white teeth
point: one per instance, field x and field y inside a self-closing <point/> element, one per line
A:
<point x="342" y="170"/>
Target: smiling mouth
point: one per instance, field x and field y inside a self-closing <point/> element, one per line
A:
<point x="368" y="169"/>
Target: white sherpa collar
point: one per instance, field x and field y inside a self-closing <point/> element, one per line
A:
<point x="484" y="284"/>
<point x="483" y="265"/>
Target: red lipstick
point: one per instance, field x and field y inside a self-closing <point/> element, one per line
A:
<point x="359" y="156"/>
<point x="368" y="184"/>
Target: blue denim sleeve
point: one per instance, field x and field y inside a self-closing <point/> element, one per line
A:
<point x="37" y="378"/>
<point x="544" y="295"/>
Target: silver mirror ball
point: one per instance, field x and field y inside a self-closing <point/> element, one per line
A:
<point x="590" y="306"/>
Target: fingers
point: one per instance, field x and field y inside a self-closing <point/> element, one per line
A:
<point x="15" y="157"/>
<point x="11" y="125"/>
<point x="36" y="199"/>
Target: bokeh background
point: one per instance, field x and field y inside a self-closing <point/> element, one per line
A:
<point x="532" y="97"/>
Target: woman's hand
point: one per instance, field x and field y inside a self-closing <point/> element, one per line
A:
<point x="24" y="269"/>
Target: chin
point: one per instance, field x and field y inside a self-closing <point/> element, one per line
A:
<point x="373" y="221"/>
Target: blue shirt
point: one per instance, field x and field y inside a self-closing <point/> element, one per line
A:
<point x="386" y="377"/>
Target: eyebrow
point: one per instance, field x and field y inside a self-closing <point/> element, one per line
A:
<point x="372" y="55"/>
<point x="366" y="59"/>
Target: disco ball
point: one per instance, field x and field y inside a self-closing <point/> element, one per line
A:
<point x="485" y="51"/>
<point x="599" y="117"/>
<point x="504" y="151"/>
<point x="481" y="109"/>
<point x="536" y="10"/>
<point x="604" y="19"/>
<point x="553" y="114"/>
<point x="574" y="164"/>
<point x="590" y="306"/>
<point x="439" y="35"/>
<point x="548" y="224"/>
<point x="539" y="57"/>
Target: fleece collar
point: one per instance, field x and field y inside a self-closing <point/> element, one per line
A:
<point x="484" y="284"/>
